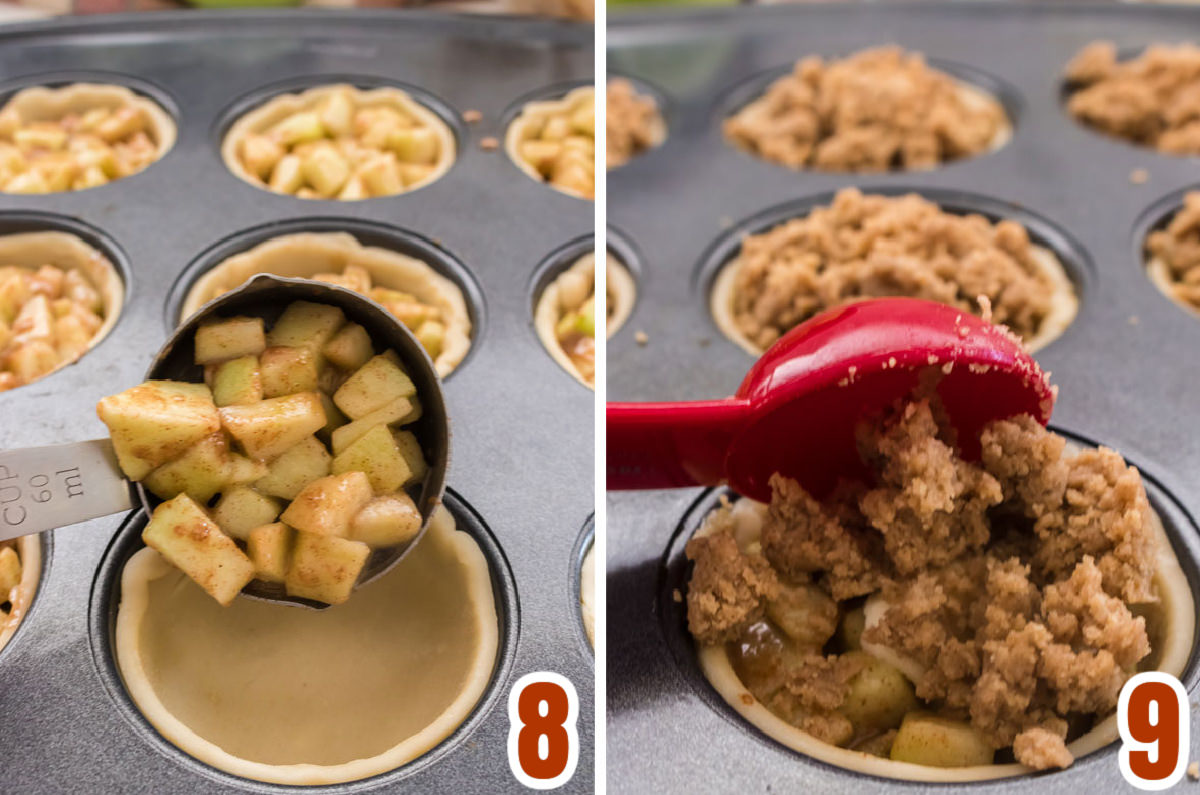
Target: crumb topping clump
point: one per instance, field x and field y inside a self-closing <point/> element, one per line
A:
<point x="632" y="121"/>
<point x="876" y="110"/>
<point x="1006" y="594"/>
<point x="1152" y="100"/>
<point x="867" y="246"/>
<point x="1176" y="250"/>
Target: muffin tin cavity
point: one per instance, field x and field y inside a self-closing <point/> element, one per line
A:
<point x="253" y="119"/>
<point x="33" y="553"/>
<point x="977" y="86"/>
<point x="583" y="568"/>
<point x="29" y="240"/>
<point x="565" y="158"/>
<point x="138" y="109"/>
<point x="1156" y="220"/>
<point x="716" y="272"/>
<point x="671" y="607"/>
<point x="106" y="599"/>
<point x="198" y="282"/>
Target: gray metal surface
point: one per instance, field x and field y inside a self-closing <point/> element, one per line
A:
<point x="1128" y="367"/>
<point x="522" y="452"/>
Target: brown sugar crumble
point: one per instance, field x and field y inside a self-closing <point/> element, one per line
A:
<point x="472" y="116"/>
<point x="1139" y="176"/>
<point x="1152" y="100"/>
<point x="877" y="110"/>
<point x="864" y="246"/>
<point x="632" y="124"/>
<point x="1007" y="595"/>
<point x="1193" y="771"/>
<point x="489" y="143"/>
<point x="1175" y="250"/>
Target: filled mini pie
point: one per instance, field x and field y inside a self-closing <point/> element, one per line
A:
<point x="78" y="136"/>
<point x="431" y="305"/>
<point x="565" y="314"/>
<point x="340" y="142"/>
<point x="20" y="569"/>
<point x="868" y="246"/>
<point x="1146" y="100"/>
<point x="876" y="110"/>
<point x="290" y="696"/>
<point x="952" y="621"/>
<point x="633" y="123"/>
<point x="554" y="141"/>
<point x="58" y="298"/>
<point x="1173" y="253"/>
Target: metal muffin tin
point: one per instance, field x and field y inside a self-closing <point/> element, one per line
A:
<point x="522" y="460"/>
<point x="1126" y="367"/>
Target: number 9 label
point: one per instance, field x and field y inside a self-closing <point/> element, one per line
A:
<point x="543" y="744"/>
<point x="1152" y="716"/>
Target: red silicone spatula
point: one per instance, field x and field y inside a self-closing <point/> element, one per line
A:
<point x="797" y="409"/>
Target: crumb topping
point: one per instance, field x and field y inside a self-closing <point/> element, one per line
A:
<point x="1002" y="589"/>
<point x="1177" y="248"/>
<point x="1152" y="100"/>
<point x="632" y="122"/>
<point x="867" y="246"/>
<point x="876" y="110"/>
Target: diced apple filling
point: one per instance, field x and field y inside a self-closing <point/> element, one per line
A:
<point x="342" y="148"/>
<point x="252" y="489"/>
<point x="48" y="318"/>
<point x="560" y="146"/>
<point x="75" y="151"/>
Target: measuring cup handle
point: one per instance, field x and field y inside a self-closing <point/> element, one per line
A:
<point x="670" y="445"/>
<point x="44" y="488"/>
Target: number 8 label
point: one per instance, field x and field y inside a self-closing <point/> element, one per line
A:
<point x="1152" y="716"/>
<point x="543" y="744"/>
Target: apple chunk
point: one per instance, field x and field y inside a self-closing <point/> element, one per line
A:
<point x="223" y="340"/>
<point x="287" y="371"/>
<point x="269" y="548"/>
<point x="326" y="506"/>
<point x="268" y="428"/>
<point x="325" y="568"/>
<point x="410" y="448"/>
<point x="396" y="412"/>
<point x="305" y="324"/>
<point x="387" y="521"/>
<point x="295" y="469"/>
<point x="377" y="383"/>
<point x="183" y="534"/>
<point x="242" y="509"/>
<point x="200" y="472"/>
<point x="237" y="382"/>
<point x="375" y="454"/>
<point x="350" y="348"/>
<point x="154" y="422"/>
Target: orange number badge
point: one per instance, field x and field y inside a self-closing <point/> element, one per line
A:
<point x="543" y="744"/>
<point x="1152" y="716"/>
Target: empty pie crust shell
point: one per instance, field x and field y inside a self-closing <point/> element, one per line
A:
<point x="43" y="103"/>
<point x="64" y="250"/>
<point x="520" y="129"/>
<point x="1064" y="302"/>
<point x="548" y="311"/>
<point x="587" y="594"/>
<point x="291" y="696"/>
<point x="280" y="107"/>
<point x="305" y="254"/>
<point x="1178" y="608"/>
<point x="29" y="549"/>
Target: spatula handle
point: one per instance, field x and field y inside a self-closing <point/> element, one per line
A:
<point x="671" y="445"/>
<point x="44" y="488"/>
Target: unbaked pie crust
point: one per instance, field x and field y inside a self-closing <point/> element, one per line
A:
<point x="306" y="254"/>
<point x="299" y="697"/>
